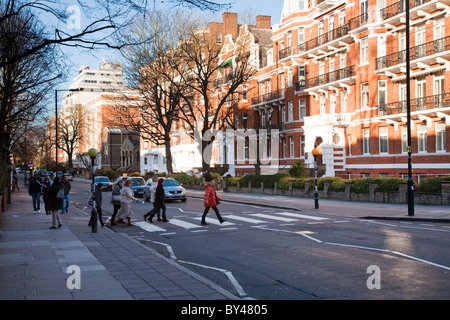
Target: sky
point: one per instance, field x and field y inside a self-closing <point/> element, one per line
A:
<point x="78" y="57"/>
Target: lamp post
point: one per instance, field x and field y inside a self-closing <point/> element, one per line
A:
<point x="408" y="118"/>
<point x="56" y="126"/>
<point x="93" y="154"/>
<point x="315" y="152"/>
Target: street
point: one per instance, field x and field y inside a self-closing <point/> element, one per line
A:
<point x="270" y="254"/>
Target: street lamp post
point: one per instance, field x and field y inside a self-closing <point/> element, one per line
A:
<point x="315" y="152"/>
<point x="93" y="154"/>
<point x="56" y="126"/>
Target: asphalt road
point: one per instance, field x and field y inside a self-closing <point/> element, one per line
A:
<point x="270" y="254"/>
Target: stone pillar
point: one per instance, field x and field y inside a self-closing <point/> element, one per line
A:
<point x="326" y="186"/>
<point x="348" y="190"/>
<point x="445" y="193"/>
<point x="372" y="187"/>
<point x="403" y="192"/>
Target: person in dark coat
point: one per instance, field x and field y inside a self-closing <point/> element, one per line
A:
<point x="46" y="194"/>
<point x="56" y="203"/>
<point x="115" y="200"/>
<point x="98" y="202"/>
<point x="34" y="190"/>
<point x="159" y="201"/>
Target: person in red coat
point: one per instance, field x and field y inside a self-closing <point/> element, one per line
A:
<point x="211" y="201"/>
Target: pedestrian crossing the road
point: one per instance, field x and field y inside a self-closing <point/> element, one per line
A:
<point x="192" y="224"/>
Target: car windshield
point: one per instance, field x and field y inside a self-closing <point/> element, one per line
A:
<point x="101" y="179"/>
<point x="137" y="182"/>
<point x="171" y="183"/>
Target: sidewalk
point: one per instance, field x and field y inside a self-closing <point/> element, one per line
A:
<point x="363" y="210"/>
<point x="34" y="262"/>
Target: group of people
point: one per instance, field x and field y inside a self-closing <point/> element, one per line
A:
<point x="55" y="193"/>
<point x="122" y="196"/>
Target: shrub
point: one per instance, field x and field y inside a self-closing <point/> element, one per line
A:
<point x="360" y="185"/>
<point x="389" y="184"/>
<point x="297" y="169"/>
<point x="432" y="184"/>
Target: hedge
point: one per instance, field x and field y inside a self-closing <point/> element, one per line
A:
<point x="432" y="184"/>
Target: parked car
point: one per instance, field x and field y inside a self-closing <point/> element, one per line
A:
<point x="120" y="178"/>
<point x="43" y="173"/>
<point x="174" y="190"/>
<point x="69" y="176"/>
<point x="107" y="185"/>
<point x="137" y="185"/>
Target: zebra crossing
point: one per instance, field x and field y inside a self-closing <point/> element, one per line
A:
<point x="192" y="224"/>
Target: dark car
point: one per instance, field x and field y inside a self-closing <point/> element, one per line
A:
<point x="107" y="185"/>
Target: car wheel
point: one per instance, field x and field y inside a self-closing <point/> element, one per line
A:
<point x="183" y="200"/>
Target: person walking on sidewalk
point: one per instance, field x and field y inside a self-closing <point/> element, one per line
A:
<point x="16" y="181"/>
<point x="152" y="199"/>
<point x="56" y="202"/>
<point x="34" y="190"/>
<point x="46" y="194"/>
<point x="211" y="201"/>
<point x="127" y="196"/>
<point x="159" y="201"/>
<point x="67" y="188"/>
<point x="98" y="202"/>
<point x="115" y="200"/>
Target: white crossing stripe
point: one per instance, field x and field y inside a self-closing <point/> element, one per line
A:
<point x="244" y="219"/>
<point x="184" y="224"/>
<point x="260" y="215"/>
<point x="150" y="227"/>
<point x="301" y="216"/>
<point x="215" y="221"/>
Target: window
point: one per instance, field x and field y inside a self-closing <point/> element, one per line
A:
<point x="301" y="74"/>
<point x="291" y="147"/>
<point x="333" y="103"/>
<point x="364" y="51"/>
<point x="302" y="108"/>
<point x="244" y="92"/>
<point x="244" y="121"/>
<point x="364" y="95"/>
<point x="349" y="144"/>
<point x="219" y="37"/>
<point x="382" y="94"/>
<point x="290" y="77"/>
<point x="342" y="17"/>
<point x="301" y="4"/>
<point x="440" y="136"/>
<point x="301" y="35"/>
<point x="404" y="139"/>
<point x="366" y="140"/>
<point x="290" y="111"/>
<point x="383" y="138"/>
<point x="344" y="101"/>
<point x="283" y="114"/>
<point x="422" y="134"/>
<point x="322" y="104"/>
<point x="302" y="146"/>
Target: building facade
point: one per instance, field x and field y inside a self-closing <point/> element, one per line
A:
<point x="335" y="80"/>
<point x="101" y="95"/>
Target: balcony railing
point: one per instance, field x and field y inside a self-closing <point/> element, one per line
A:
<point x="358" y="21"/>
<point x="420" y="51"/>
<point x="419" y="104"/>
<point x="268" y="97"/>
<point x="300" y="86"/>
<point x="399" y="7"/>
<point x="330" y="77"/>
<point x="223" y="80"/>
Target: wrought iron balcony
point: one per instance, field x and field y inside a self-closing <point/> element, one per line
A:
<point x="399" y="7"/>
<point x="330" y="77"/>
<point x="268" y="97"/>
<point x="437" y="101"/>
<point x="420" y="51"/>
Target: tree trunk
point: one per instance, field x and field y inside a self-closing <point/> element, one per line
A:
<point x="169" y="166"/>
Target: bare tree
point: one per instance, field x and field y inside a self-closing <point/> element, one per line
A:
<point x="203" y="71"/>
<point x="149" y="67"/>
<point x="71" y="125"/>
<point x="24" y="83"/>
